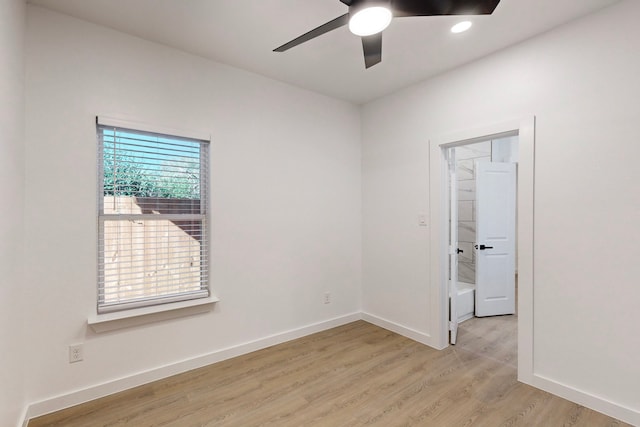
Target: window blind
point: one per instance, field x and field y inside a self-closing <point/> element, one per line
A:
<point x="152" y="214"/>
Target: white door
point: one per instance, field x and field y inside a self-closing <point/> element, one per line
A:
<point x="453" y="248"/>
<point x="495" y="238"/>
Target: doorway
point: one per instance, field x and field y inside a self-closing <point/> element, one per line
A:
<point x="482" y="230"/>
<point x="440" y="248"/>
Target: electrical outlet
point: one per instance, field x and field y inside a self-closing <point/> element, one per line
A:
<point x="75" y="353"/>
<point x="327" y="297"/>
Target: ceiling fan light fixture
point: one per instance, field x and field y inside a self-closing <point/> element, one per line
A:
<point x="461" y="27"/>
<point x="370" y="20"/>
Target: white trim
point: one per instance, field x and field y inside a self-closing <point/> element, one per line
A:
<point x="94" y="392"/>
<point x="525" y="128"/>
<point x="77" y="397"/>
<point x="26" y="416"/>
<point x="439" y="324"/>
<point x="106" y="322"/>
<point x="418" y="336"/>
<point x="588" y="400"/>
<point x="152" y="128"/>
<point x="525" y="233"/>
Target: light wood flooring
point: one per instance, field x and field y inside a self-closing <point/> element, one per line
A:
<point x="353" y="375"/>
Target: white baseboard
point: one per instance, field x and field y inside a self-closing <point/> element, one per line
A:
<point x="26" y="416"/>
<point x="418" y="336"/>
<point x="57" y="403"/>
<point x="101" y="390"/>
<point x="590" y="401"/>
<point x="596" y="403"/>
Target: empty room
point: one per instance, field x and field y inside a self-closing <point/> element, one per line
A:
<point x="225" y="213"/>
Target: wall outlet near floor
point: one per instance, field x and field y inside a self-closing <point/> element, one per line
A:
<point x="327" y="297"/>
<point x="75" y="353"/>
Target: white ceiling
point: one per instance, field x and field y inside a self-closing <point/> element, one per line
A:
<point x="244" y="33"/>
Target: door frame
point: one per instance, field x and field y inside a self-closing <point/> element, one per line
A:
<point x="439" y="216"/>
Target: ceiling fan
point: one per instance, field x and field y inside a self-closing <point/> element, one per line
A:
<point x="368" y="18"/>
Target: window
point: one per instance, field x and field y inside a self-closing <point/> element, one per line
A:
<point x="152" y="218"/>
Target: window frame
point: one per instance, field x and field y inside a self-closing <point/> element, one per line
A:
<point x="203" y="217"/>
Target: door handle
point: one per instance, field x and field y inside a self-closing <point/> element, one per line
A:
<point x="459" y="251"/>
<point x="483" y="247"/>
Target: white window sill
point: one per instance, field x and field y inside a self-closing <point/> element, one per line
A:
<point x="144" y="315"/>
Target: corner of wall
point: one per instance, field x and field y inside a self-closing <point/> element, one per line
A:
<point x="12" y="169"/>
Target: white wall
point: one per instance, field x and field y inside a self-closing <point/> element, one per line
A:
<point x="581" y="83"/>
<point x="12" y="24"/>
<point x="285" y="188"/>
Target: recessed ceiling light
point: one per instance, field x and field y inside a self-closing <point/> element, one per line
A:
<point x="461" y="27"/>
<point x="370" y="20"/>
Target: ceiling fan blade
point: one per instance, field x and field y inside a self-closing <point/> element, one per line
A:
<point x="322" y="29"/>
<point x="372" y="47"/>
<point x="402" y="8"/>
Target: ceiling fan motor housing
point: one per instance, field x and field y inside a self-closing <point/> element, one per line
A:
<point x="357" y="5"/>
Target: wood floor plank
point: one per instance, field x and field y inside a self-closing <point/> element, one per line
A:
<point x="354" y="375"/>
